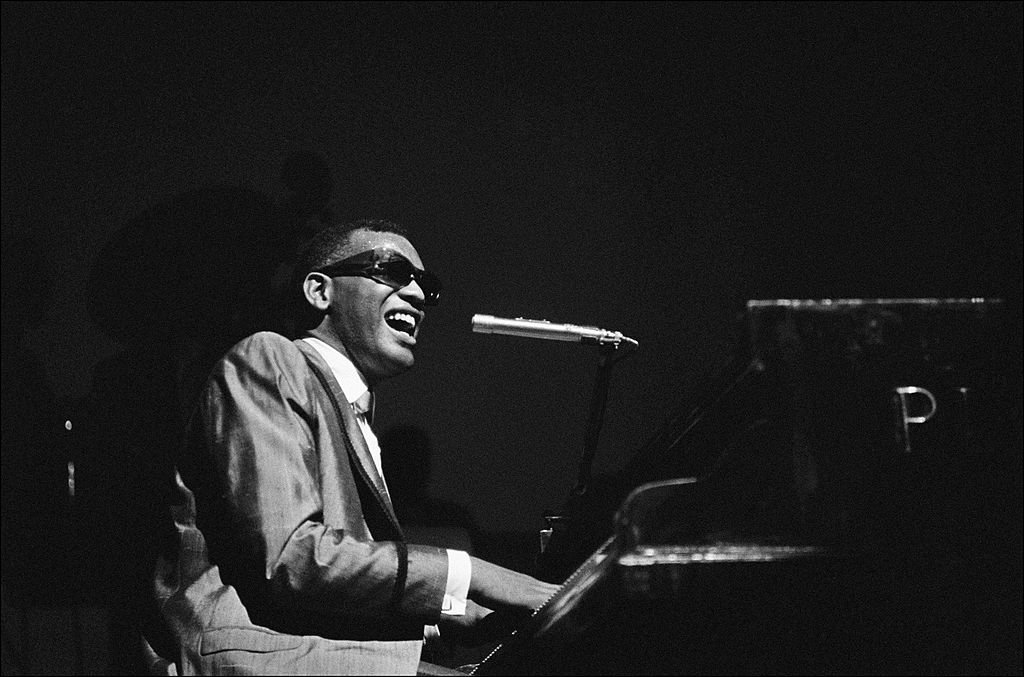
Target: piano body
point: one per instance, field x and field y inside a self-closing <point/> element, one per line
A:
<point x="845" y="499"/>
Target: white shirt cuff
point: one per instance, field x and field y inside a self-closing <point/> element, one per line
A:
<point x="456" y="589"/>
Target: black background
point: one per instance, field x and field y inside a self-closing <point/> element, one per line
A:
<point x="640" y="167"/>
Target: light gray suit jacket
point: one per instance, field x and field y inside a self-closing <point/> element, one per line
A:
<point x="286" y="555"/>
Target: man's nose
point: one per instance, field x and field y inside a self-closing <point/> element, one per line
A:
<point x="413" y="292"/>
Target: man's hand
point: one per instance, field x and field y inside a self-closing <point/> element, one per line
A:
<point x="500" y="588"/>
<point x="479" y="625"/>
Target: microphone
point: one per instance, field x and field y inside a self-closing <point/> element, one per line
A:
<point x="542" y="329"/>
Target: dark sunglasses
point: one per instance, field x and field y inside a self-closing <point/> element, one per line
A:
<point x="387" y="267"/>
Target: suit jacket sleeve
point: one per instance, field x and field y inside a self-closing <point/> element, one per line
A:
<point x="283" y="512"/>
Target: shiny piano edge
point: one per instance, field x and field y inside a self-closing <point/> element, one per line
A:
<point x="562" y="603"/>
<point x="724" y="552"/>
<point x="836" y="304"/>
<point x="653" y="572"/>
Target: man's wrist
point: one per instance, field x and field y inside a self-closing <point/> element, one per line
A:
<point x="460" y="572"/>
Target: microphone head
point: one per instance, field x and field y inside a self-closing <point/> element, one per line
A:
<point x="482" y="324"/>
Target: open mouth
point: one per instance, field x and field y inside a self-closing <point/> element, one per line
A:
<point x="402" y="321"/>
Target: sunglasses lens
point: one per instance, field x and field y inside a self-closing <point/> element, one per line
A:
<point x="431" y="287"/>
<point x="399" y="273"/>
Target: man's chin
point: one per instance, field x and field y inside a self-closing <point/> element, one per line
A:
<point x="398" y="362"/>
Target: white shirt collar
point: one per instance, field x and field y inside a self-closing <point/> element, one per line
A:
<point x="351" y="381"/>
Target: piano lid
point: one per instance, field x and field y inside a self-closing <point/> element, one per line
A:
<point x="839" y="520"/>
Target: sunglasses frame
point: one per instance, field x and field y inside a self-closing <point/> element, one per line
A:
<point x="374" y="264"/>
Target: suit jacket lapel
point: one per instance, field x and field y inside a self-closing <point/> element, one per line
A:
<point x="352" y="435"/>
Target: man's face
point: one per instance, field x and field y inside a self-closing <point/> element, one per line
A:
<point x="377" y="325"/>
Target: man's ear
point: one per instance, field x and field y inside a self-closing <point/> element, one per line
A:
<point x="317" y="288"/>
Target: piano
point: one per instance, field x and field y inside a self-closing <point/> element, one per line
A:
<point x="845" y="498"/>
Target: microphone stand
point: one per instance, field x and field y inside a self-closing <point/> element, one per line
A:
<point x="608" y="356"/>
<point x="598" y="402"/>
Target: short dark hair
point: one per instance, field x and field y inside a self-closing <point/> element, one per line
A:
<point x="323" y="249"/>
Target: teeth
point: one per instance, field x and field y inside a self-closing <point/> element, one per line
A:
<point x="404" y="321"/>
<point x="405" y="317"/>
